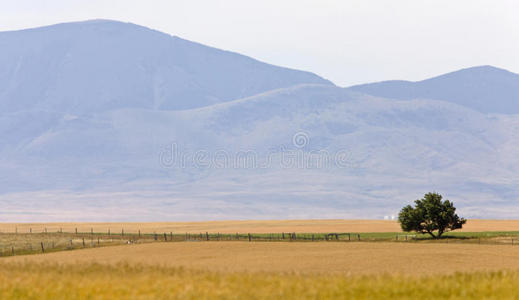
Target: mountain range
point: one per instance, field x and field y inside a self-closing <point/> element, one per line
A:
<point x="109" y="121"/>
<point x="485" y="88"/>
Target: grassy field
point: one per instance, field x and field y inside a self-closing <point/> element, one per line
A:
<point x="261" y="226"/>
<point x="13" y="244"/>
<point x="123" y="281"/>
<point x="300" y="257"/>
<point x="30" y="243"/>
<point x="467" y="264"/>
<point x="255" y="226"/>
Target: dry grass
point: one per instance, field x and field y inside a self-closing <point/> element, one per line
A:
<point x="22" y="244"/>
<point x="266" y="226"/>
<point x="92" y="281"/>
<point x="320" y="257"/>
<point x="266" y="270"/>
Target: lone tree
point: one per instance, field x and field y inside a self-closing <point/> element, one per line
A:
<point x="429" y="215"/>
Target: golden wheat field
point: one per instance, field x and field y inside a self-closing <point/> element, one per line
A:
<point x="358" y="258"/>
<point x="254" y="226"/>
<point x="124" y="281"/>
<point x="92" y="281"/>
<point x="266" y="270"/>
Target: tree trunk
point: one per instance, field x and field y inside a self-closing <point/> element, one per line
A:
<point x="432" y="234"/>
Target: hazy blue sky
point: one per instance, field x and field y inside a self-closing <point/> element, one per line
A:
<point x="345" y="41"/>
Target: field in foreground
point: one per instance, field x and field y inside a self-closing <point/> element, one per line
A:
<point x="266" y="270"/>
<point x="93" y="281"/>
<point x="254" y="226"/>
<point x="300" y="257"/>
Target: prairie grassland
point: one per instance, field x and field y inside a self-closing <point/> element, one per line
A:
<point x="25" y="243"/>
<point x="123" y="281"/>
<point x="356" y="258"/>
<point x="256" y="226"/>
<point x="266" y="270"/>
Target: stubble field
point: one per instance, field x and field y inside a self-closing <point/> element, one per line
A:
<point x="254" y="226"/>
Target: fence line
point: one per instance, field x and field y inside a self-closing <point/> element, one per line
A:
<point x="44" y="241"/>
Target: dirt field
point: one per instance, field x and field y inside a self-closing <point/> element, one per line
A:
<point x="351" y="258"/>
<point x="267" y="226"/>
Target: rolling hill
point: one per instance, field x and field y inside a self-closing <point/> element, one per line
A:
<point x="109" y="121"/>
<point x="485" y="88"/>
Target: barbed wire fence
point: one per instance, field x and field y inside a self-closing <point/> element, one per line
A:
<point x="45" y="240"/>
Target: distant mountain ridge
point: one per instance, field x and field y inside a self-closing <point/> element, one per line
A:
<point x="92" y="113"/>
<point x="485" y="88"/>
<point x="100" y="65"/>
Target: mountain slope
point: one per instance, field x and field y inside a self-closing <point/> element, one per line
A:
<point x="486" y="89"/>
<point x="361" y="156"/>
<point x="101" y="65"/>
<point x="109" y="121"/>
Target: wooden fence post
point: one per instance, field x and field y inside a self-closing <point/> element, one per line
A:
<point x="250" y="238"/>
<point x="206" y="236"/>
<point x="42" y="249"/>
<point x="83" y="242"/>
<point x="122" y="232"/>
<point x="139" y="233"/>
<point x="171" y="236"/>
<point x="98" y="244"/>
<point x="165" y="237"/>
<point x="12" y="250"/>
<point x="76" y="230"/>
<point x="358" y="235"/>
<point x="283" y="235"/>
<point x="155" y="235"/>
<point x="312" y="237"/>
<point x="30" y="230"/>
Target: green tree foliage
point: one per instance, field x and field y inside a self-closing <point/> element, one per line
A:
<point x="430" y="215"/>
